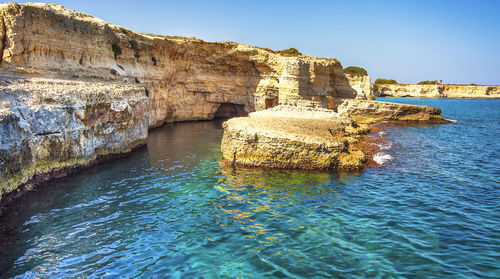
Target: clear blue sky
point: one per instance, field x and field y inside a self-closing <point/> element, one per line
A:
<point x="456" y="41"/>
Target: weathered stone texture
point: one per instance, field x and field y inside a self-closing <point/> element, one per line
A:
<point x="48" y="125"/>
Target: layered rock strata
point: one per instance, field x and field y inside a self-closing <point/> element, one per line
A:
<point x="187" y="78"/>
<point x="48" y="125"/>
<point x="435" y="91"/>
<point x="293" y="137"/>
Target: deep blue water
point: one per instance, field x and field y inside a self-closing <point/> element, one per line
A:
<point x="170" y="211"/>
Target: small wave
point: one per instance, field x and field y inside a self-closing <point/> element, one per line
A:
<point x="381" y="158"/>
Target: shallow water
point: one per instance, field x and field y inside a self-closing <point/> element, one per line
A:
<point x="169" y="210"/>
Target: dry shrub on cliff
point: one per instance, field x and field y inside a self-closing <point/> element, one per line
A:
<point x="385" y="81"/>
<point x="290" y="52"/>
<point x="355" y="71"/>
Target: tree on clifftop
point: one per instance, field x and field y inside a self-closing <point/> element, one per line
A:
<point x="355" y="71"/>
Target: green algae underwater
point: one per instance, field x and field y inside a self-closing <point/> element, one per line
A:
<point x="171" y="211"/>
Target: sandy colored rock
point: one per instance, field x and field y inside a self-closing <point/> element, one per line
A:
<point x="305" y="138"/>
<point x="292" y="137"/>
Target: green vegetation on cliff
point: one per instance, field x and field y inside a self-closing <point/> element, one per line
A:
<point x="385" y="81"/>
<point x="290" y="52"/>
<point x="355" y="71"/>
<point x="428" y="82"/>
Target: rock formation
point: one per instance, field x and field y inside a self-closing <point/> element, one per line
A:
<point x="365" y="111"/>
<point x="76" y="87"/>
<point x="293" y="137"/>
<point x="187" y="78"/>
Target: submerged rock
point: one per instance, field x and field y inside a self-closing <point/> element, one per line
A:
<point x="293" y="137"/>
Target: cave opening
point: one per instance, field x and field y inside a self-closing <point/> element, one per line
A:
<point x="228" y="110"/>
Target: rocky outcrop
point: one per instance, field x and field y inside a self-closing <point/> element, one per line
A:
<point x="293" y="137"/>
<point x="366" y="111"/>
<point x="49" y="125"/>
<point x="435" y="91"/>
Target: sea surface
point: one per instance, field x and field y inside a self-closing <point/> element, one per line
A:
<point x="431" y="210"/>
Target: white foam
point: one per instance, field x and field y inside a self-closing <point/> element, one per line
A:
<point x="452" y="121"/>
<point x="386" y="145"/>
<point x="381" y="158"/>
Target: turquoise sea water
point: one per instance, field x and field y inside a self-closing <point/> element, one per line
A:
<point x="170" y="211"/>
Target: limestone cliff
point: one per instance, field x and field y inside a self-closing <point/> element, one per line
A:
<point x="187" y="78"/>
<point x="436" y="91"/>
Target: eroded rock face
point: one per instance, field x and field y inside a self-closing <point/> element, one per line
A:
<point x="47" y="125"/>
<point x="436" y="91"/>
<point x="362" y="86"/>
<point x="293" y="137"/>
<point x="187" y="78"/>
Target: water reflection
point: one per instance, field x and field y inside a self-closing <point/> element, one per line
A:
<point x="184" y="145"/>
<point x="276" y="210"/>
